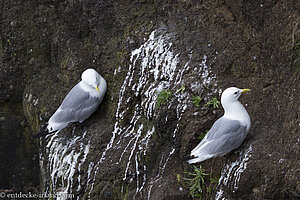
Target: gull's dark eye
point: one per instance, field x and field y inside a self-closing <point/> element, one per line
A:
<point x="236" y="93"/>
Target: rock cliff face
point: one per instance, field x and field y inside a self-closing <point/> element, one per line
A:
<point x="131" y="148"/>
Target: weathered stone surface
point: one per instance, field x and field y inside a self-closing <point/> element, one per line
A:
<point x="45" y="46"/>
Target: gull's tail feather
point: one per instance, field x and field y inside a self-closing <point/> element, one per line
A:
<point x="199" y="159"/>
<point x="200" y="146"/>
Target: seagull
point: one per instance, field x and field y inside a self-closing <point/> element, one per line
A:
<point x="228" y="132"/>
<point x="80" y="103"/>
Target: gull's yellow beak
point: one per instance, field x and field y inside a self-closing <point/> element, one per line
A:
<point x="97" y="89"/>
<point x="245" y="90"/>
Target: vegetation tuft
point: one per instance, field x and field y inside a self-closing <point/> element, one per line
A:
<point x="202" y="135"/>
<point x="181" y="90"/>
<point x="213" y="102"/>
<point x="198" y="182"/>
<point x="197" y="100"/>
<point x="163" y="97"/>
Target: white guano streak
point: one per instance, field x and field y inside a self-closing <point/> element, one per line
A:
<point x="152" y="68"/>
<point x="231" y="172"/>
<point x="64" y="161"/>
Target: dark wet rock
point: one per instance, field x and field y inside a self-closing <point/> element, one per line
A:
<point x="45" y="46"/>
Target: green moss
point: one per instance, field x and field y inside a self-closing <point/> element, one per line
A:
<point x="97" y="190"/>
<point x="32" y="117"/>
<point x="121" y="192"/>
<point x="18" y="150"/>
<point x="4" y="107"/>
<point x="163" y="97"/>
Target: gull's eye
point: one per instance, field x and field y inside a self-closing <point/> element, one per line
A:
<point x="236" y="93"/>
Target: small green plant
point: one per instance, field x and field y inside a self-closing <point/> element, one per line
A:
<point x="199" y="183"/>
<point x="181" y="90"/>
<point x="163" y="97"/>
<point x="195" y="182"/>
<point x="214" y="102"/>
<point x="197" y="100"/>
<point x="202" y="135"/>
<point x="213" y="182"/>
<point x="178" y="177"/>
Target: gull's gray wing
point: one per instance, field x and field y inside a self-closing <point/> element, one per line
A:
<point x="224" y="126"/>
<point x="77" y="106"/>
<point x="224" y="136"/>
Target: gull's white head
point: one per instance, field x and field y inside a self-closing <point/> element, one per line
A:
<point x="233" y="108"/>
<point x="232" y="94"/>
<point x="91" y="78"/>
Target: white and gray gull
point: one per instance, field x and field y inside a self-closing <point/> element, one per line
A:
<point x="228" y="132"/>
<point x="81" y="102"/>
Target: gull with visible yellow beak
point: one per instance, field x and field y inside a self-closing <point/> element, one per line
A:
<point x="228" y="132"/>
<point x="79" y="104"/>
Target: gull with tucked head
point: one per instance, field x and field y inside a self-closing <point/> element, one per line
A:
<point x="228" y="132"/>
<point x="83" y="99"/>
<point x="79" y="104"/>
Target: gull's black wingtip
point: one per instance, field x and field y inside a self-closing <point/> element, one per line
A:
<point x="186" y="158"/>
<point x="40" y="134"/>
<point x="43" y="131"/>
